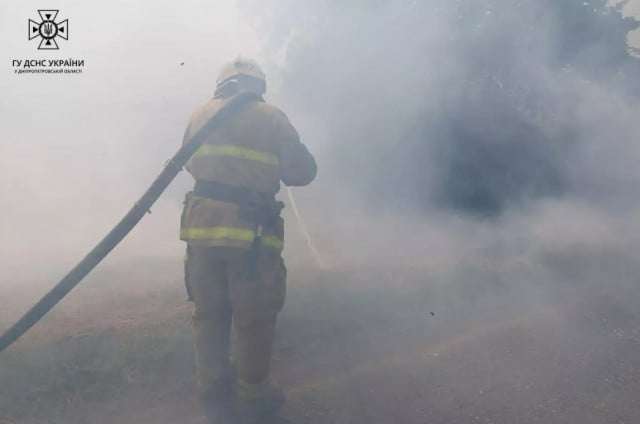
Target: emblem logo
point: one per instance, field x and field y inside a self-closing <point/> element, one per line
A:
<point x="48" y="29"/>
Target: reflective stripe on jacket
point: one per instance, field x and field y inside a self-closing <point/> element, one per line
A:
<point x="256" y="149"/>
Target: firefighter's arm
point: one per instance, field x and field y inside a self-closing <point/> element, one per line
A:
<point x="297" y="165"/>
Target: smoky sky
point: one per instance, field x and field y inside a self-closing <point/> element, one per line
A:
<point x="77" y="150"/>
<point x="522" y="110"/>
<point x="473" y="106"/>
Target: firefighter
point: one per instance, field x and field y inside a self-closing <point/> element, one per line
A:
<point x="231" y="222"/>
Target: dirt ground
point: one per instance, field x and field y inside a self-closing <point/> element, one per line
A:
<point x="476" y="345"/>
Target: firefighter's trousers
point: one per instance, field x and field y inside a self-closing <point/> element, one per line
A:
<point x="223" y="292"/>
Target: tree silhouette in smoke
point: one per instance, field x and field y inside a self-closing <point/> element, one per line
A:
<point x="470" y="105"/>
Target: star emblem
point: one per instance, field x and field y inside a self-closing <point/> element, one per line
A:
<point x="48" y="29"/>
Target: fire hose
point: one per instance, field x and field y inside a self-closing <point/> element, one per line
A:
<point x="126" y="224"/>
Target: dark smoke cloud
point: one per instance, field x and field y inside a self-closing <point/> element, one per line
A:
<point x="475" y="106"/>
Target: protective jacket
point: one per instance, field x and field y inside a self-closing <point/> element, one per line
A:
<point x="252" y="151"/>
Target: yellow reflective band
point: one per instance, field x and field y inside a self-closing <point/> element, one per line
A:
<point x="231" y="233"/>
<point x="235" y="152"/>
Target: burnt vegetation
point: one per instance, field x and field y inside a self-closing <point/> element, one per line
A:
<point x="466" y="105"/>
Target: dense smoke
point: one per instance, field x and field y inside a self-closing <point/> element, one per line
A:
<point x="472" y="105"/>
<point x="478" y="171"/>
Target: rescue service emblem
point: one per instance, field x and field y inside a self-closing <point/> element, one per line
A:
<point x="48" y="30"/>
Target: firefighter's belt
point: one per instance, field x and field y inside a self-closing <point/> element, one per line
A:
<point x="255" y="206"/>
<point x="259" y="208"/>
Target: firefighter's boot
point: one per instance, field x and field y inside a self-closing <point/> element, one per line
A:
<point x="219" y="402"/>
<point x="259" y="403"/>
